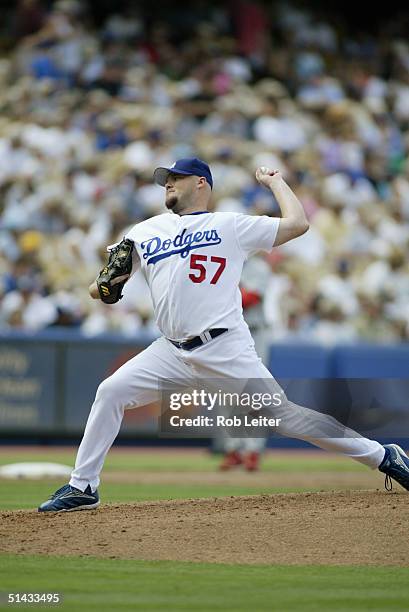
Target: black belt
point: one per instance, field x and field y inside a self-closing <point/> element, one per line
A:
<point x="189" y="345"/>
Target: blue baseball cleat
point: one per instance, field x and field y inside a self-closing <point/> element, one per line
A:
<point x="68" y="499"/>
<point x="395" y="465"/>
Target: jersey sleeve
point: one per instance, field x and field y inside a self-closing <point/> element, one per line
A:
<point x="256" y="233"/>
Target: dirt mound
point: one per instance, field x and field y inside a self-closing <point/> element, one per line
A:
<point x="356" y="527"/>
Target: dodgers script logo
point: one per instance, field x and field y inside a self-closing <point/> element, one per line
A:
<point x="157" y="249"/>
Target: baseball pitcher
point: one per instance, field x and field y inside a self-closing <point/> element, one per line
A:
<point x="192" y="261"/>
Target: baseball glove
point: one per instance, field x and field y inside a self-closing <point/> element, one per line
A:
<point x="113" y="277"/>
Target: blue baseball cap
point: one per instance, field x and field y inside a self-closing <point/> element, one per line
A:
<point x="189" y="166"/>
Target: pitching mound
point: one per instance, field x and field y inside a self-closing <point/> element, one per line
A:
<point x="357" y="527"/>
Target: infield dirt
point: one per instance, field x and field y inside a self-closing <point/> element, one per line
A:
<point x="331" y="528"/>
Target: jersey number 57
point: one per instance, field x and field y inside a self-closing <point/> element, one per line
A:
<point x="200" y="271"/>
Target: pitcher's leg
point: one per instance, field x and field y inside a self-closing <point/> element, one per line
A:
<point x="297" y="422"/>
<point x="135" y="384"/>
<point x="329" y="434"/>
<point x="102" y="428"/>
<point x="320" y="429"/>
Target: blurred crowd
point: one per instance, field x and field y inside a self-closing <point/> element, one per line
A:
<point x="89" y="110"/>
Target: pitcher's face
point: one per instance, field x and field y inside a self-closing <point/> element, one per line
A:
<point x="180" y="191"/>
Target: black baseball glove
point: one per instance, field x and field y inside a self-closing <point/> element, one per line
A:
<point x="113" y="277"/>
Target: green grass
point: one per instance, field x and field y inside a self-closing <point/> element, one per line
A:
<point x="114" y="584"/>
<point x="26" y="494"/>
<point x="200" y="462"/>
<point x="21" y="495"/>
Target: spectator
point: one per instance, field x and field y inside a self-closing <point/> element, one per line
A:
<point x="88" y="111"/>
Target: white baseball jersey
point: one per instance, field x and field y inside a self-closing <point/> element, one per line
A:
<point x="193" y="263"/>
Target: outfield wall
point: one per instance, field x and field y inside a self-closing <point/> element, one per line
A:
<point x="48" y="380"/>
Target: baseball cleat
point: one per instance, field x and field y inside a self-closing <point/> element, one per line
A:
<point x="68" y="499"/>
<point x="231" y="460"/>
<point x="251" y="461"/>
<point x="395" y="465"/>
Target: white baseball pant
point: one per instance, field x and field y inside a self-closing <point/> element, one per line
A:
<point x="229" y="356"/>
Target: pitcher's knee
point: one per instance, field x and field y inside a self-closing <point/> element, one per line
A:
<point x="108" y="391"/>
